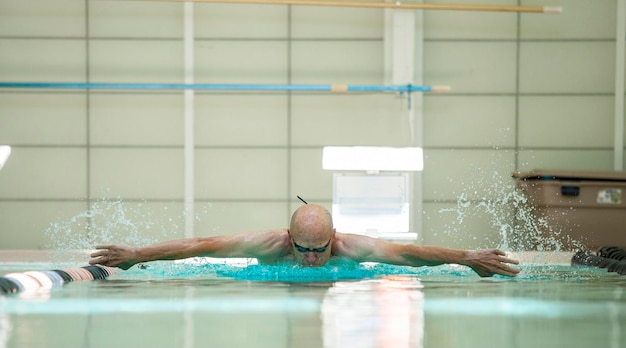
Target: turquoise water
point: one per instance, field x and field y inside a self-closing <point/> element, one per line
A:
<point x="291" y="271"/>
<point x="343" y="304"/>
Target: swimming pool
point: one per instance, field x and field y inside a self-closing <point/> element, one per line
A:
<point x="343" y="304"/>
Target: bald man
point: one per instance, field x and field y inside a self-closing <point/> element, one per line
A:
<point x="311" y="240"/>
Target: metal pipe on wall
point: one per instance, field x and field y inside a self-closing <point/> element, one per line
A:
<point x="189" y="117"/>
<point x="390" y="5"/>
<point x="620" y="47"/>
<point x="333" y="88"/>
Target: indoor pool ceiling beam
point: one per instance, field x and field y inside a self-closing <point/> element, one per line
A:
<point x="333" y="88"/>
<point x="392" y="4"/>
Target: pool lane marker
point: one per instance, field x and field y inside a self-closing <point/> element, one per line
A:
<point x="611" y="258"/>
<point x="17" y="282"/>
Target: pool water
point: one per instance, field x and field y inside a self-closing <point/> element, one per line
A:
<point x="343" y="304"/>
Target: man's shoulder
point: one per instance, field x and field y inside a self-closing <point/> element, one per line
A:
<point x="350" y="237"/>
<point x="268" y="244"/>
<point x="273" y="233"/>
<point x="270" y="237"/>
<point x="347" y="244"/>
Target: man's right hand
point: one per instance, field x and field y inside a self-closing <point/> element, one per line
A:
<point x="114" y="256"/>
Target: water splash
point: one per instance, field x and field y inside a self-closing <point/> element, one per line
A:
<point x="111" y="221"/>
<point x="519" y="224"/>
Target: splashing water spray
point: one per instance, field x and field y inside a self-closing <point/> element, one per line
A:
<point x="111" y="221"/>
<point x="519" y="225"/>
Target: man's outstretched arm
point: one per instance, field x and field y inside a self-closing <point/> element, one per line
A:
<point x="257" y="244"/>
<point x="125" y="257"/>
<point x="485" y="262"/>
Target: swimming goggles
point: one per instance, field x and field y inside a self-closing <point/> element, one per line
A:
<point x="315" y="250"/>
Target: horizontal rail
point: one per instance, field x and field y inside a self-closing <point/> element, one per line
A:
<point x="391" y="4"/>
<point x="334" y="88"/>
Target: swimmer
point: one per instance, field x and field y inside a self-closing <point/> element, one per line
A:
<point x="311" y="240"/>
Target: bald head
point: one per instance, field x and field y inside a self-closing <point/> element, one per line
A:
<point x="311" y="231"/>
<point x="312" y="223"/>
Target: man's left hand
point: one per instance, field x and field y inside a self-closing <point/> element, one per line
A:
<point x="488" y="262"/>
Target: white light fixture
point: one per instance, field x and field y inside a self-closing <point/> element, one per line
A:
<point x="373" y="158"/>
<point x="5" y="152"/>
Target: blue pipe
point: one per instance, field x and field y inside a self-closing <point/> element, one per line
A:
<point x="219" y="87"/>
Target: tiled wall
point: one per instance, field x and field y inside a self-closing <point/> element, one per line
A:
<point x="529" y="91"/>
